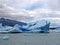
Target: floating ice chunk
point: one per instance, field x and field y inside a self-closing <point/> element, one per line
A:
<point x="4" y="37"/>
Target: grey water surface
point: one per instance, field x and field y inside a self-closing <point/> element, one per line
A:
<point x="52" y="38"/>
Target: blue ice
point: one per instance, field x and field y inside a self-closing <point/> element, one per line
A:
<point x="36" y="26"/>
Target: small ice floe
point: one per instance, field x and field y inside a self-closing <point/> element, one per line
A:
<point x="56" y="30"/>
<point x="4" y="37"/>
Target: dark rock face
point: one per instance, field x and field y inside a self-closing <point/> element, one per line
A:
<point x="9" y="22"/>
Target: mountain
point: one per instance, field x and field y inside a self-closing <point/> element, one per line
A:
<point x="8" y="22"/>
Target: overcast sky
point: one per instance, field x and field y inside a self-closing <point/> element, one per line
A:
<point x="30" y="8"/>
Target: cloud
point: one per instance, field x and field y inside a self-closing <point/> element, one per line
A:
<point x="26" y="9"/>
<point x="53" y="4"/>
<point x="36" y="5"/>
<point x="33" y="4"/>
<point x="19" y="3"/>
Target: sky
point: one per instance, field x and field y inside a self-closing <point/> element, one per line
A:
<point x="33" y="4"/>
<point x="29" y="9"/>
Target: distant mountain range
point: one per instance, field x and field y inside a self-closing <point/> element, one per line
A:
<point x="8" y="22"/>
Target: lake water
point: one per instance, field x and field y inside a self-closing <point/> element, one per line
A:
<point x="52" y="38"/>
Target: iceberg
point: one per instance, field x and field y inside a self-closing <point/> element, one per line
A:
<point x="35" y="26"/>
